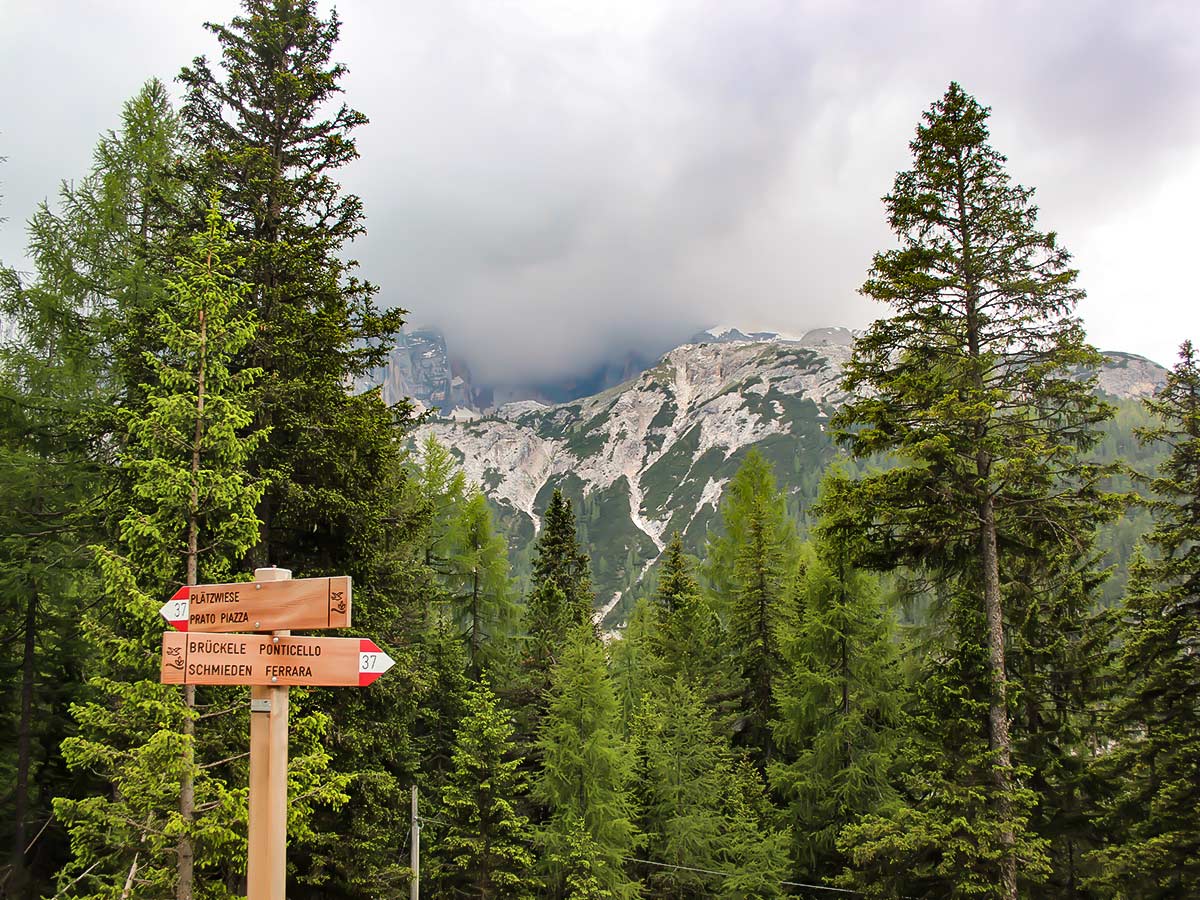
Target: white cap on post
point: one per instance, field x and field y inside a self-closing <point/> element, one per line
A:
<point x="272" y="573"/>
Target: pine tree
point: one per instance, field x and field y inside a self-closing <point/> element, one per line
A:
<point x="487" y="846"/>
<point x="840" y="700"/>
<point x="749" y="563"/>
<point x="586" y="768"/>
<point x="974" y="386"/>
<point x="1154" y="819"/>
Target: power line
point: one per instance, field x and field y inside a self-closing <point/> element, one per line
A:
<point x="799" y="884"/>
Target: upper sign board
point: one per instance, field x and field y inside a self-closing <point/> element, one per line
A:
<point x="299" y="603"/>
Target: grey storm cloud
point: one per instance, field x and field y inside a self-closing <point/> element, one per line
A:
<point x="553" y="184"/>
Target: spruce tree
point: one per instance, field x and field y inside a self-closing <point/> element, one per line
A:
<point x="271" y="135"/>
<point x="559" y="559"/>
<point x="942" y="839"/>
<point x="580" y="866"/>
<point x="559" y="598"/>
<point x="1154" y="818"/>
<point x="974" y="385"/>
<point x="586" y="768"/>
<point x="487" y="846"/>
<point x="686" y="631"/>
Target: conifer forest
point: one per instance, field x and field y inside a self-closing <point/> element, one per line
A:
<point x="927" y="686"/>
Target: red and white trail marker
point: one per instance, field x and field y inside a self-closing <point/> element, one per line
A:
<point x="372" y="662"/>
<point x="175" y="610"/>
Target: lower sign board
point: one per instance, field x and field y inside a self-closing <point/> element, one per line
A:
<point x="195" y="658"/>
<point x="298" y="603"/>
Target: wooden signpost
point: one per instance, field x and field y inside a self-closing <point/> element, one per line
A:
<point x="206" y="649"/>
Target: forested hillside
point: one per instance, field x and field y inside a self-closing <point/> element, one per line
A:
<point x="654" y="455"/>
<point x="892" y="658"/>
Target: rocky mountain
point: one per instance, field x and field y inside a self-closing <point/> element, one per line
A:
<point x="419" y="368"/>
<point x="652" y="455"/>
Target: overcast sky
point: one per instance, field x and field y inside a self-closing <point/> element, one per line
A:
<point x="553" y="183"/>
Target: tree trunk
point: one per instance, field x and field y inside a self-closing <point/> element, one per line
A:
<point x="475" y="626"/>
<point x="1000" y="741"/>
<point x="998" y="726"/>
<point x="24" y="741"/>
<point x="186" y="853"/>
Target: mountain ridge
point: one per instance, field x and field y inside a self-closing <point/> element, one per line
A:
<point x="653" y="454"/>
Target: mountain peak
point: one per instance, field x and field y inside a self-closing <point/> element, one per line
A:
<point x="723" y="334"/>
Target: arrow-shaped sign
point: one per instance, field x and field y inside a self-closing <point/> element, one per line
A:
<point x="175" y="610"/>
<point x="266" y="659"/>
<point x="299" y="603"/>
<point x="372" y="662"/>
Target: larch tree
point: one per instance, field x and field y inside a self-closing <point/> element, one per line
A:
<point x="52" y="495"/>
<point x="443" y="485"/>
<point x="750" y="563"/>
<point x="191" y="515"/>
<point x="1154" y="818"/>
<point x="100" y="253"/>
<point x="977" y="386"/>
<point x="698" y="808"/>
<point x="586" y="768"/>
<point x="480" y="588"/>
<point x="840" y="700"/>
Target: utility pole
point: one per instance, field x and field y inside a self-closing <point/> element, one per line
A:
<point x="414" y="858"/>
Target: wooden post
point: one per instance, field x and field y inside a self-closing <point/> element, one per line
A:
<point x="266" y="865"/>
<point x="414" y="853"/>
